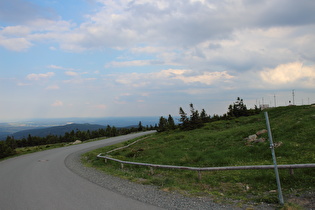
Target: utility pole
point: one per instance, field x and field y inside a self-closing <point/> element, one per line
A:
<point x="293" y="96"/>
<point x="274" y="98"/>
<point x="263" y="100"/>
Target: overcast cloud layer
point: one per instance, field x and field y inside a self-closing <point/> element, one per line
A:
<point x="96" y="58"/>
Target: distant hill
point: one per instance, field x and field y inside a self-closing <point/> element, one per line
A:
<point x="7" y="129"/>
<point x="10" y="128"/>
<point x="56" y="130"/>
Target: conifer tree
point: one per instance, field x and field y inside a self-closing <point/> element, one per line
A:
<point x="140" y="127"/>
<point x="162" y="124"/>
<point x="170" y="122"/>
<point x="183" y="119"/>
<point x="238" y="108"/>
<point x="203" y="116"/>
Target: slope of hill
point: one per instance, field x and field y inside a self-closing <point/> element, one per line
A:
<point x="56" y="130"/>
<point x="226" y="143"/>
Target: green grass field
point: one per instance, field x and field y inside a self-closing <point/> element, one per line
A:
<point x="223" y="143"/>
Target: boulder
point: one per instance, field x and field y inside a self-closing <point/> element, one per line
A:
<point x="251" y="138"/>
<point x="77" y="142"/>
<point x="261" y="132"/>
<point x="260" y="140"/>
<point x="277" y="144"/>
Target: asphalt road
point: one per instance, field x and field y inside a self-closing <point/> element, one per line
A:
<point x="42" y="181"/>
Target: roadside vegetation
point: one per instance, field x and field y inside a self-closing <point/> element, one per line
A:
<point x="223" y="141"/>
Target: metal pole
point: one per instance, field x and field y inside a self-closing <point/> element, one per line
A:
<point x="293" y="96"/>
<point x="274" y="159"/>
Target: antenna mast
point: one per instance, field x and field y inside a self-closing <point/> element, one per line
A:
<point x="293" y="96"/>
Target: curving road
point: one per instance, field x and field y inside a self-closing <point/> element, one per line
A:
<point x="42" y="181"/>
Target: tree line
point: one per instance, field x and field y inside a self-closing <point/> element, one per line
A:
<point x="8" y="147"/>
<point x="197" y="119"/>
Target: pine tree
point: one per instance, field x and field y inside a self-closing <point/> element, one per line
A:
<point x="238" y="109"/>
<point x="162" y="124"/>
<point x="140" y="127"/>
<point x="170" y="123"/>
<point x="183" y="119"/>
<point x="11" y="142"/>
<point x="204" y="117"/>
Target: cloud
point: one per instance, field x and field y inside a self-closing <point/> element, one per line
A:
<point x="71" y="73"/>
<point x="293" y="13"/>
<point x="128" y="63"/>
<point x="172" y="77"/>
<point x="60" y="67"/>
<point x="57" y="103"/>
<point x="100" y="106"/>
<point x="289" y="73"/>
<point x="16" y="30"/>
<point x="195" y="34"/>
<point x="15" y="44"/>
<point x="79" y="80"/>
<point x="53" y="87"/>
<point x="22" y="37"/>
<point x="149" y="49"/>
<point x="125" y="98"/>
<point x="238" y="36"/>
<point x="207" y="78"/>
<point x="68" y="71"/>
<point x="23" y="84"/>
<point x="20" y="11"/>
<point x="117" y="25"/>
<point x="40" y="76"/>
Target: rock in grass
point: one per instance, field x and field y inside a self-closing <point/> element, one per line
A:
<point x="77" y="142"/>
<point x="261" y="132"/>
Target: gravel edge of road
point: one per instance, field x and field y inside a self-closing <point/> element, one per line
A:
<point x="144" y="193"/>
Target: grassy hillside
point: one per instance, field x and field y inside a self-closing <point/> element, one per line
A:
<point x="223" y="143"/>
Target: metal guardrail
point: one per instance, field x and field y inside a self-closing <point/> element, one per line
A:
<point x="289" y="166"/>
<point x="199" y="170"/>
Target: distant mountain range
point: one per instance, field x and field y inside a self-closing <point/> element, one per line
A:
<point x="56" y="130"/>
<point x="7" y="129"/>
<point x="44" y="127"/>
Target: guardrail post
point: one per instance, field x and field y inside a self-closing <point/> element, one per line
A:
<point x="151" y="171"/>
<point x="122" y="165"/>
<point x="291" y="171"/>
<point x="199" y="175"/>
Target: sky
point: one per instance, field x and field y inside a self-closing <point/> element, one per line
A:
<point x="101" y="58"/>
